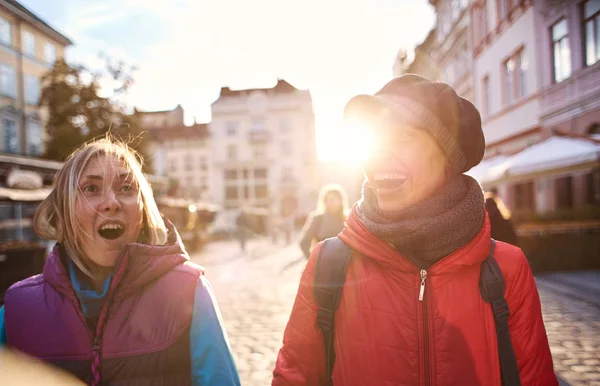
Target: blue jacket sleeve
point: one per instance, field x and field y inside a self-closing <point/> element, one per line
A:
<point x="2" y="328"/>
<point x="212" y="362"/>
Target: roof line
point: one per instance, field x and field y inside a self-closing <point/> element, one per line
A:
<point x="24" y="13"/>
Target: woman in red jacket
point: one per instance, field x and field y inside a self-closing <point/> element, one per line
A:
<point x="411" y="311"/>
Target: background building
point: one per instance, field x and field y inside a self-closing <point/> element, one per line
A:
<point x="28" y="49"/>
<point x="264" y="149"/>
<point x="506" y="81"/>
<point x="181" y="153"/>
<point x="451" y="46"/>
<point x="423" y="63"/>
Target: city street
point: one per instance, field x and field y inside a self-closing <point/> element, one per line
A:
<point x="256" y="292"/>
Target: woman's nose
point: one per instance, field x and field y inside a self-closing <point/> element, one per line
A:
<point x="111" y="202"/>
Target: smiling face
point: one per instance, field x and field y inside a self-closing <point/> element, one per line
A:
<point x="108" y="209"/>
<point x="407" y="167"/>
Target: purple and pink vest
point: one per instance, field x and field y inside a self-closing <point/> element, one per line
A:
<point x="142" y="334"/>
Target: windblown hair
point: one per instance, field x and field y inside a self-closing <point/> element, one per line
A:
<point x="55" y="217"/>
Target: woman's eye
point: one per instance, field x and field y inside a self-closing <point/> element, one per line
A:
<point x="90" y="188"/>
<point x="127" y="188"/>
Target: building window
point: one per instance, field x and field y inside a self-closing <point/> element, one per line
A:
<point x="11" y="135"/>
<point x="173" y="165"/>
<point x="189" y="163"/>
<point x="5" y="33"/>
<point x="231" y="192"/>
<point x="261" y="191"/>
<point x="562" y="51"/>
<point x="514" y="73"/>
<point x="521" y="78"/>
<point x="231" y="129"/>
<point x="28" y="43"/>
<point x="485" y="92"/>
<point x="508" y="74"/>
<point x="246" y="191"/>
<point x="260" y="174"/>
<point x="34" y="138"/>
<point x="231" y="152"/>
<point x="591" y="13"/>
<point x="230" y="174"/>
<point x="8" y="84"/>
<point x="32" y="89"/>
<point x="245" y="174"/>
<point x="50" y="53"/>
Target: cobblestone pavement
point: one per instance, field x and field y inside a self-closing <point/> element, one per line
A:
<point x="571" y="310"/>
<point x="256" y="291"/>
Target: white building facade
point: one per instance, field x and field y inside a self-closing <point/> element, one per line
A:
<point x="264" y="150"/>
<point x="505" y="77"/>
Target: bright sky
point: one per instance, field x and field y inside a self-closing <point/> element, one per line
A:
<point x="187" y="49"/>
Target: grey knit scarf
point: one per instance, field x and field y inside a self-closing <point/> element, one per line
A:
<point x="432" y="229"/>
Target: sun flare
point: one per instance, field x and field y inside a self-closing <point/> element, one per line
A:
<point x="351" y="145"/>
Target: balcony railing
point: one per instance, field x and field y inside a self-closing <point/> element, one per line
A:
<point x="562" y="99"/>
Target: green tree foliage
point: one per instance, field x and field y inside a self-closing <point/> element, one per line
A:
<point x="77" y="113"/>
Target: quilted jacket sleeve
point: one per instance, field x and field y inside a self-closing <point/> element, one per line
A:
<point x="527" y="330"/>
<point x="301" y="360"/>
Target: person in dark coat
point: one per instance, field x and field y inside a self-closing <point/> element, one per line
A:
<point x="328" y="220"/>
<point x="502" y="227"/>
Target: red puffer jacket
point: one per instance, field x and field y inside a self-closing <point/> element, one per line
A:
<point x="385" y="336"/>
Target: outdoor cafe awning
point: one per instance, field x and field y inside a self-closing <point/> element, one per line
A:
<point x="552" y="155"/>
<point x="481" y="171"/>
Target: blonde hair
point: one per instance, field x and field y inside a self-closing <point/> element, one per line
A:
<point x="55" y="217"/>
<point x="332" y="189"/>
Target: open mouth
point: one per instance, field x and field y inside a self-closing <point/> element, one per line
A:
<point x="389" y="181"/>
<point x="111" y="231"/>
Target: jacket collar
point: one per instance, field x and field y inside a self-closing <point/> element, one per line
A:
<point x="356" y="235"/>
<point x="138" y="265"/>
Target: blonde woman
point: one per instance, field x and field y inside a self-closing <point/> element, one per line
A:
<point x="118" y="301"/>
<point x="328" y="220"/>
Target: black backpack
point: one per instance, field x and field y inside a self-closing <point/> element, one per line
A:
<point x="332" y="265"/>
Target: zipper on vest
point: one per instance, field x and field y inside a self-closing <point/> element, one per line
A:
<point x="423" y="301"/>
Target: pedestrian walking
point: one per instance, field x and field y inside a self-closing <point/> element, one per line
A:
<point x="414" y="291"/>
<point x="328" y="220"/>
<point x="501" y="226"/>
<point x="118" y="301"/>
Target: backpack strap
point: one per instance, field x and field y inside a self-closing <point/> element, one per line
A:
<point x="330" y="274"/>
<point x="491" y="285"/>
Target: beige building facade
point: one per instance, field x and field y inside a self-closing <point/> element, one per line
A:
<point x="264" y="149"/>
<point x="28" y="48"/>
<point x="179" y="152"/>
